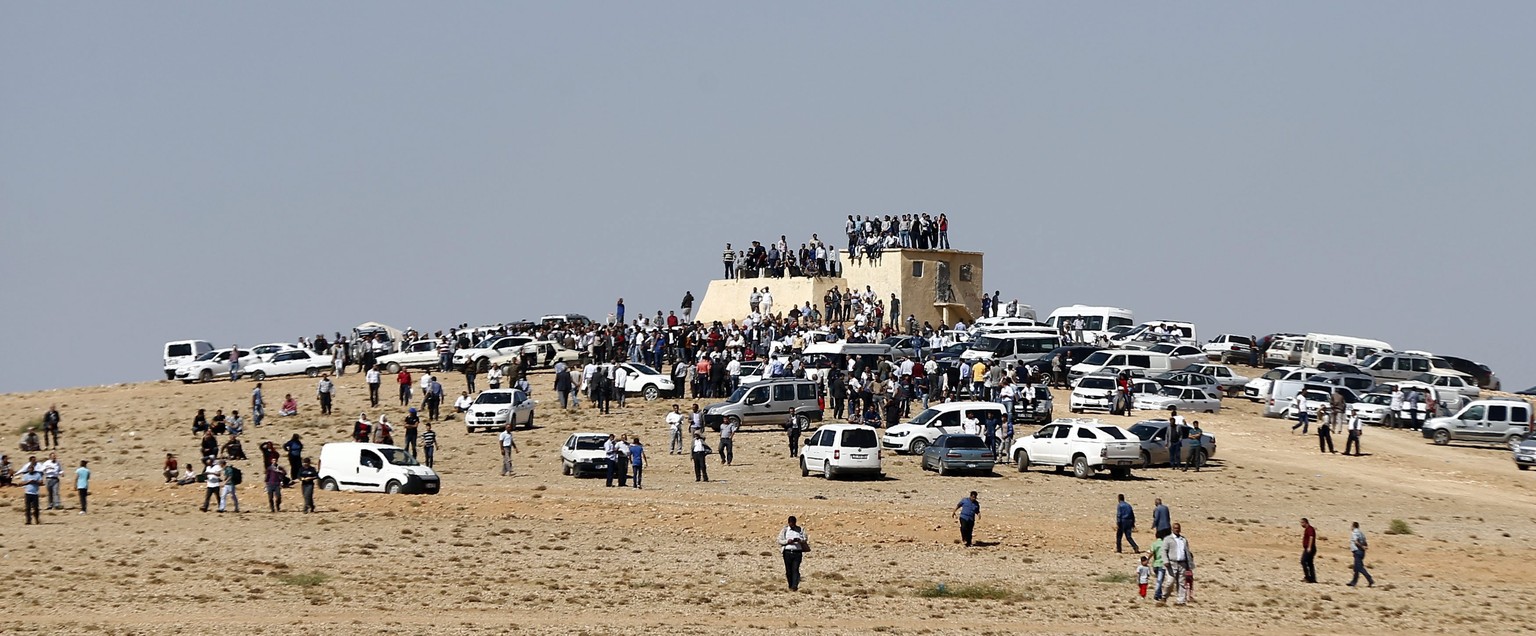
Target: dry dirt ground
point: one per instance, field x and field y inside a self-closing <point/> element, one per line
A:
<point x="541" y="553"/>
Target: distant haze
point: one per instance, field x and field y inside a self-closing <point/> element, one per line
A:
<point x="259" y="172"/>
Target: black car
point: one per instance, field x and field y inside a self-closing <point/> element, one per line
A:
<point x="1484" y="375"/>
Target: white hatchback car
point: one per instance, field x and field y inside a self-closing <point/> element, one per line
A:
<point x="208" y="366"/>
<point x="292" y="362"/>
<point x="841" y="449"/>
<point x="1092" y="392"/>
<point x="421" y="354"/>
<point x="494" y="409"/>
<point x="1187" y="398"/>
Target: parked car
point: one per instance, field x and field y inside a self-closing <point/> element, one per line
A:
<point x="495" y="350"/>
<point x="1373" y="408"/>
<point x="1155" y="448"/>
<point x="1500" y="420"/>
<point x="1149" y="362"/>
<point x="1179" y="355"/>
<point x="583" y="454"/>
<point x="1449" y="381"/>
<point x="1092" y="392"/>
<point x="180" y="352"/>
<point x="1189" y="399"/>
<point x="643" y="380"/>
<point x="1357" y="382"/>
<point x="1187" y="378"/>
<point x="1284" y="351"/>
<point x="1258" y="389"/>
<point x="363" y="467"/>
<point x="1229" y="347"/>
<point x="266" y="351"/>
<point x="1480" y="372"/>
<point x="1085" y="444"/>
<point x="1390" y="365"/>
<point x="1036" y="410"/>
<point x="211" y="365"/>
<point x="1229" y="381"/>
<point x="950" y="454"/>
<point x="941" y="419"/>
<point x="545" y="353"/>
<point x="420" y="354"/>
<point x="768" y="402"/>
<point x="1318" y="396"/>
<point x="292" y="362"/>
<point x="841" y="449"/>
<point x="1524" y="451"/>
<point x="1530" y="391"/>
<point x="494" y="409"/>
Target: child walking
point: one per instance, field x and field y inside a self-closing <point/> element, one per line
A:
<point x="1143" y="577"/>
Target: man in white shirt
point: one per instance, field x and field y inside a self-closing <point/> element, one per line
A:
<point x="1299" y="409"/>
<point x="1176" y="547"/>
<point x="675" y="427"/>
<point x="462" y="404"/>
<point x="508" y="446"/>
<point x="373" y="379"/>
<point x="620" y="381"/>
<point x="767" y="303"/>
<point x="970" y="425"/>
<point x="51" y="471"/>
<point x="1355" y="429"/>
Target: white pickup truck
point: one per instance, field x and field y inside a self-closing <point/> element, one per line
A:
<point x="1085" y="444"/>
<point x="499" y="351"/>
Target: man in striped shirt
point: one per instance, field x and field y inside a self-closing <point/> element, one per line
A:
<point x="429" y="443"/>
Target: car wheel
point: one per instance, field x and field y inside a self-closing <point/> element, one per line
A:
<point x="1021" y="459"/>
<point x="565" y="468"/>
<point x="393" y="487"/>
<point x="170" y="375"/>
<point x="827" y="471"/>
<point x="1513" y="441"/>
<point x="733" y="421"/>
<point x="506" y="370"/>
<point x="483" y="365"/>
<point x="805" y="471"/>
<point x="259" y="376"/>
<point x="530" y="420"/>
<point x="1080" y="467"/>
<point x="918" y="446"/>
<point x="329" y="484"/>
<point x="1442" y="437"/>
<point x="393" y="368"/>
<point x="650" y="392"/>
<point x="1523" y="467"/>
<point x="941" y="469"/>
<point x="1199" y="459"/>
<point x="1075" y="410"/>
<point x="804" y="422"/>
<point x="1146" y="460"/>
<point x="313" y="372"/>
<point x="205" y="376"/>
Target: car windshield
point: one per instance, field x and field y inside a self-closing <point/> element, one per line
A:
<point x="1145" y="431"/>
<point x="1170" y="391"/>
<point x="207" y="356"/>
<point x="398" y="457"/>
<point x="1275" y="374"/>
<point x="644" y="370"/>
<point x="1162" y="348"/>
<point x="1097" y="358"/>
<point x="956" y="349"/>
<point x="486" y="344"/>
<point x="738" y="394"/>
<point x="986" y="343"/>
<point x="921" y="419"/>
<point x="494" y="397"/>
<point x="965" y="441"/>
<point x="1096" y="383"/>
<point x="1113" y="431"/>
<point x="1377" y="398"/>
<point x="590" y="442"/>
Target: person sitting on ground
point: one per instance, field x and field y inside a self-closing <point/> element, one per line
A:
<point x="218" y="427"/>
<point x="461" y="405"/>
<point x="290" y="406"/>
<point x="200" y="422"/>
<point x="233" y="449"/>
<point x="210" y="445"/>
<point x="170" y="468"/>
<point x="188" y="476"/>
<point x="30" y="443"/>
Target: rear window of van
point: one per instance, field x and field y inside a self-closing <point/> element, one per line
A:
<point x="859" y="438"/>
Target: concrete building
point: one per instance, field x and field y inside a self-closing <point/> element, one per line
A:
<point x="937" y="286"/>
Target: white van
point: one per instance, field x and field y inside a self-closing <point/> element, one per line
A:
<point x="1098" y="321"/>
<point x="1011" y="347"/>
<point x="841" y="449"/>
<point x="1318" y="348"/>
<point x="363" y="467"/>
<point x="1151" y="362"/>
<point x="1009" y="324"/>
<point x="179" y="352"/>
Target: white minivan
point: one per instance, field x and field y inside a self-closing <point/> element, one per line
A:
<point x="1097" y="321"/>
<point x="1150" y="362"/>
<point x="1010" y="347"/>
<point x="179" y="352"/>
<point x="363" y="467"/>
<point x="1318" y="348"/>
<point x="841" y="449"/>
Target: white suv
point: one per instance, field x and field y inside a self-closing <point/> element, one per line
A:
<point x="496" y="350"/>
<point x="841" y="449"/>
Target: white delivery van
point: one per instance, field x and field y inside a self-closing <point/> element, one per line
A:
<point x="179" y="352"/>
<point x="841" y="449"/>
<point x="1318" y="348"/>
<point x="1152" y="363"/>
<point x="1097" y="321"/>
<point x="366" y="467"/>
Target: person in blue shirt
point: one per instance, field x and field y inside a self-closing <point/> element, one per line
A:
<point x="636" y="459"/>
<point x="967" y="511"/>
<point x="31" y="478"/>
<point x="1125" y="523"/>
<point x="82" y="483"/>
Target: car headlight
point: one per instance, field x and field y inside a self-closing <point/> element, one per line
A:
<point x="898" y="433"/>
<point x="503" y="411"/>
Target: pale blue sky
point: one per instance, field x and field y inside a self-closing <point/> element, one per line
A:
<point x="256" y="172"/>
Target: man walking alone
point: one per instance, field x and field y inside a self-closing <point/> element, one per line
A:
<point x="1125" y="523"/>
<point x="967" y="511"/>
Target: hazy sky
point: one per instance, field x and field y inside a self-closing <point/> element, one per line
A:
<point x="257" y="172"/>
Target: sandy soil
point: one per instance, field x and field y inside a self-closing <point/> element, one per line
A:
<point x="542" y="553"/>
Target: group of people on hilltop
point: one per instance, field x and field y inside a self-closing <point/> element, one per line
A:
<point x="813" y="259"/>
<point x="872" y="233"/>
